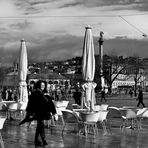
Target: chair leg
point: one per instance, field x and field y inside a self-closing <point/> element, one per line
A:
<point x="86" y="129"/>
<point x="1" y="141"/>
<point x="123" y="125"/>
<point x="63" y="128"/>
<point x="96" y="129"/>
<point x="104" y="128"/>
<point x="139" y="123"/>
<point x="53" y="122"/>
<point x="62" y="119"/>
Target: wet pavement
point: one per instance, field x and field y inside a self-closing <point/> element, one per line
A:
<point x="15" y="136"/>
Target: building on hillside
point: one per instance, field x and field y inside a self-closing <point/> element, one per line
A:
<point x="51" y="78"/>
<point x="128" y="80"/>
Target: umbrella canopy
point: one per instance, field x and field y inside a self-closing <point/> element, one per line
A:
<point x="88" y="70"/>
<point x="23" y="64"/>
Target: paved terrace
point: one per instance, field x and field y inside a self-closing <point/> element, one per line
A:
<point x="15" y="136"/>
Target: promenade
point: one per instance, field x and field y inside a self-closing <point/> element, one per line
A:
<point x="15" y="136"/>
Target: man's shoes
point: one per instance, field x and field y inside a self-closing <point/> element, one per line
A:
<point x="37" y="143"/>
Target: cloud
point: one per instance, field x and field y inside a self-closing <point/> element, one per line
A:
<point x="21" y="25"/>
<point x="59" y="33"/>
<point x="68" y="46"/>
<point x="58" y="48"/>
<point x="126" y="47"/>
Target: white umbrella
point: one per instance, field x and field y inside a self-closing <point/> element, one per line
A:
<point x="23" y="64"/>
<point x="88" y="70"/>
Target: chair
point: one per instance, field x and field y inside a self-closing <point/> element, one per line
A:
<point x="129" y="115"/>
<point x="12" y="108"/>
<point x="114" y="112"/>
<point x="3" y="109"/>
<point x="104" y="106"/>
<point x="102" y="118"/>
<point x="2" y="121"/>
<point x="90" y="120"/>
<point x="60" y="106"/>
<point x="144" y="115"/>
<point x="75" y="106"/>
<point x="116" y="115"/>
<point x="22" y="109"/>
<point x="97" y="108"/>
<point x="70" y="117"/>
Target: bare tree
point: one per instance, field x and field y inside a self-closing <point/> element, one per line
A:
<point x="113" y="66"/>
<point x="136" y="68"/>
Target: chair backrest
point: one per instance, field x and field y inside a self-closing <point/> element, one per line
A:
<point x="89" y="116"/>
<point x="63" y="104"/>
<point x="80" y="110"/>
<point x="130" y="114"/>
<point x="3" y="106"/>
<point x="22" y="105"/>
<point x="76" y="106"/>
<point x="59" y="111"/>
<point x="2" y="120"/>
<point x="114" y="112"/>
<point x="141" y="111"/>
<point x="97" y="108"/>
<point x="102" y="115"/>
<point x="145" y="114"/>
<point x="70" y="116"/>
<point x="13" y="106"/>
<point x="104" y="106"/>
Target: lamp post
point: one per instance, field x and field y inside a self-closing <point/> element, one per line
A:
<point x="101" y="40"/>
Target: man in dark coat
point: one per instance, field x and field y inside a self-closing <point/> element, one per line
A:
<point x="103" y="95"/>
<point x="77" y="97"/>
<point x="140" y="98"/>
<point x="40" y="108"/>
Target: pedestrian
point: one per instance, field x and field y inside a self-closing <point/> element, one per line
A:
<point x="4" y="94"/>
<point x="131" y="93"/>
<point x="77" y="97"/>
<point x="103" y="95"/>
<point x="140" y="98"/>
<point x="39" y="108"/>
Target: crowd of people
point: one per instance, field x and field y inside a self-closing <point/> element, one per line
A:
<point x="8" y="94"/>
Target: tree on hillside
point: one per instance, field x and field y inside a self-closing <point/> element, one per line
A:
<point x="137" y="69"/>
<point x="112" y="67"/>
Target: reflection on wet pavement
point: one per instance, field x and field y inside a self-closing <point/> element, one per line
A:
<point x="15" y="136"/>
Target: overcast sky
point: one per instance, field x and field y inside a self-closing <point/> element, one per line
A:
<point x="54" y="29"/>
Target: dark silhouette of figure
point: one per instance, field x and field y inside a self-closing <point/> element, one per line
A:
<point x="131" y="93"/>
<point x="77" y="97"/>
<point x="10" y="95"/>
<point x="140" y="98"/>
<point x="39" y="108"/>
<point x="5" y="94"/>
<point x="103" y="95"/>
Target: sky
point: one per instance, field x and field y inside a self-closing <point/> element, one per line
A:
<point x="55" y="29"/>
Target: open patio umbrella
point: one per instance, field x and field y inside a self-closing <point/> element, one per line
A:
<point x="22" y="72"/>
<point x="88" y="71"/>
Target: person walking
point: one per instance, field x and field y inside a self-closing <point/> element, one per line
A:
<point x="77" y="97"/>
<point x="140" y="98"/>
<point x="131" y="93"/>
<point x="103" y="95"/>
<point x="39" y="108"/>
